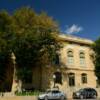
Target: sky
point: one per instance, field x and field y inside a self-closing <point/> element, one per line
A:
<point x="75" y="17"/>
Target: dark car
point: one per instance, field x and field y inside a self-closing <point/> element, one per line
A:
<point x="85" y="93"/>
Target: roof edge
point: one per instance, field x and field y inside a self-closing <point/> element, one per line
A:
<point x="76" y="39"/>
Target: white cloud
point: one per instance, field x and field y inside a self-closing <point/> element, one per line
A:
<point x="73" y="29"/>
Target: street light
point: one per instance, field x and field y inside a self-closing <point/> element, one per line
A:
<point x="96" y="81"/>
<point x="54" y="77"/>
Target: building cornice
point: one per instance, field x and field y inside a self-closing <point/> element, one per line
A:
<point x="74" y="39"/>
<point x="78" y="69"/>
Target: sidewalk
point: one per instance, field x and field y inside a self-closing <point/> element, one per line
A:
<point x="19" y="98"/>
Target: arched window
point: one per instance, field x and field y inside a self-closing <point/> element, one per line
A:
<point x="70" y="57"/>
<point x="84" y="78"/>
<point x="82" y="58"/>
<point x="58" y="77"/>
<point x="71" y="77"/>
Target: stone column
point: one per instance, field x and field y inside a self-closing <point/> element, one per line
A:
<point x="15" y="81"/>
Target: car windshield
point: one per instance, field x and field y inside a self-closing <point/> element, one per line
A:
<point x="48" y="91"/>
<point x="81" y="90"/>
<point x="55" y="92"/>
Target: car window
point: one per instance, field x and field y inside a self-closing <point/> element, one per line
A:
<point x="81" y="90"/>
<point x="86" y="89"/>
<point x="55" y="91"/>
<point x="90" y="90"/>
<point x="93" y="90"/>
<point x="48" y="91"/>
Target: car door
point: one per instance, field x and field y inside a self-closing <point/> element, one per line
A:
<point x="84" y="93"/>
<point x="93" y="93"/>
<point x="50" y="95"/>
<point x="55" y="95"/>
<point x="88" y="93"/>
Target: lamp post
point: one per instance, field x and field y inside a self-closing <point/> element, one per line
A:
<point x="54" y="77"/>
<point x="96" y="81"/>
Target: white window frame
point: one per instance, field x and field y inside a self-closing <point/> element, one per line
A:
<point x="70" y="57"/>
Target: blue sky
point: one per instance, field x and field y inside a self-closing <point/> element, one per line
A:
<point x="75" y="17"/>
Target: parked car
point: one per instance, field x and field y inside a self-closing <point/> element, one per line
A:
<point x="85" y="93"/>
<point x="52" y="95"/>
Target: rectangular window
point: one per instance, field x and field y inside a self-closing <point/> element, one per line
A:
<point x="84" y="78"/>
<point x="70" y="60"/>
<point x="82" y="58"/>
<point x="82" y="61"/>
<point x="71" y="80"/>
<point x="56" y="60"/>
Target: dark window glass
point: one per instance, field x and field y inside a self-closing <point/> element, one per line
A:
<point x="55" y="92"/>
<point x="84" y="78"/>
<point x="71" y="79"/>
<point x="57" y="59"/>
<point x="58" y="78"/>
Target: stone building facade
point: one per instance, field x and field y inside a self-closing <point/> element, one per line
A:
<point x="74" y="70"/>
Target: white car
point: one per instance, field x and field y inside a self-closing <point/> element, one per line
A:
<point x="51" y="95"/>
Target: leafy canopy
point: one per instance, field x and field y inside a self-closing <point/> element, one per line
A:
<point x="31" y="36"/>
<point x="96" y="48"/>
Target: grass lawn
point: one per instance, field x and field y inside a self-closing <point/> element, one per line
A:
<point x="34" y="93"/>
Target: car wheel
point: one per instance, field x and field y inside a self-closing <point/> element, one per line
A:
<point x="62" y="98"/>
<point x="81" y="97"/>
<point x="94" y="96"/>
<point x="46" y="98"/>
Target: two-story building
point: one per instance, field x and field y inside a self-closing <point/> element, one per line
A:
<point x="74" y="70"/>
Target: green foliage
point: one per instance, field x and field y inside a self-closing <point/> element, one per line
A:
<point x="96" y="48"/>
<point x="6" y="41"/>
<point x="33" y="93"/>
<point x="5" y="31"/>
<point x="31" y="36"/>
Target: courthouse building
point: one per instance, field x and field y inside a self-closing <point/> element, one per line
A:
<point x="73" y="69"/>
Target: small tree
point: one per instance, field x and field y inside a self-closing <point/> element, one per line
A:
<point x="96" y="48"/>
<point x="30" y="36"/>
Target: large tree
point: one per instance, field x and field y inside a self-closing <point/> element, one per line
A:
<point x="35" y="40"/>
<point x="96" y="47"/>
<point x="31" y="37"/>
